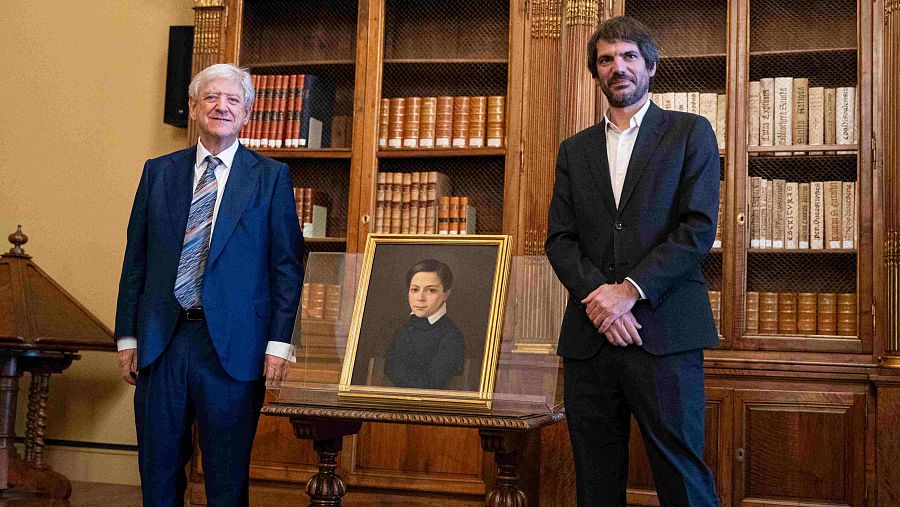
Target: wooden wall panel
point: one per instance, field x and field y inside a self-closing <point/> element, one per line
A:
<point x="799" y="446"/>
<point x="887" y="445"/>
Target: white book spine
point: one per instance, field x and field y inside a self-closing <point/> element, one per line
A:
<point x="817" y="215"/>
<point x="693" y="102"/>
<point x="753" y="115"/>
<point x="791" y="215"/>
<point x="833" y="190"/>
<point x="783" y="108"/>
<point x="721" y="118"/>
<point x="669" y="101"/>
<point x="766" y="111"/>
<point x="848" y="214"/>
<point x="803" y="195"/>
<point x="778" y="216"/>
<point x="816" y="116"/>
<point x="845" y="104"/>
<point x="681" y="101"/>
<point x="708" y="107"/>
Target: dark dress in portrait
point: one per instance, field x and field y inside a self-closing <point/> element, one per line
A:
<point x="424" y="355"/>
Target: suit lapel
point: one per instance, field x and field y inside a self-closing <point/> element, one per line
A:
<point x="179" y="179"/>
<point x="240" y="186"/>
<point x="652" y="129"/>
<point x="595" y="152"/>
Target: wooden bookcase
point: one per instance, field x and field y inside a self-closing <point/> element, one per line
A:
<point x="787" y="414"/>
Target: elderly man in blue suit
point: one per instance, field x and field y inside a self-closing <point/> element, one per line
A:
<point x="209" y="293"/>
<point x="633" y="214"/>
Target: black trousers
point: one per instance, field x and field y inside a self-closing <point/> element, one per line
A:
<point x="665" y="394"/>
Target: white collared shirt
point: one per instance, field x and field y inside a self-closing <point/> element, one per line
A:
<point x="619" y="145"/>
<point x="436" y="316"/>
<point x="274" y="348"/>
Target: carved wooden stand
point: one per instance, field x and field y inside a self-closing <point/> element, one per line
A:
<point x="327" y="427"/>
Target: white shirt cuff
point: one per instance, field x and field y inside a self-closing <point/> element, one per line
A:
<point x="282" y="350"/>
<point x="126" y="343"/>
<point x="636" y="286"/>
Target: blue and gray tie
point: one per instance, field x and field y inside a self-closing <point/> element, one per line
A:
<point x="189" y="283"/>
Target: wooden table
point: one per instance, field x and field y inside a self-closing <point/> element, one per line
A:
<point x="326" y="427"/>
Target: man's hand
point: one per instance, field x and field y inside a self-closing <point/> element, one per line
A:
<point x="274" y="368"/>
<point x="624" y="331"/>
<point x="127" y="363"/>
<point x="608" y="302"/>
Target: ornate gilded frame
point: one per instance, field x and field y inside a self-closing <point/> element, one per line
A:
<point x="411" y="246"/>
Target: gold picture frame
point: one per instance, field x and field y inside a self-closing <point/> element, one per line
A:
<point x="392" y="356"/>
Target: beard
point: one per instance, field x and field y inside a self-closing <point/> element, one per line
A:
<point x="626" y="98"/>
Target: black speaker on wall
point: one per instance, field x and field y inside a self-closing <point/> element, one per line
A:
<point x="178" y="75"/>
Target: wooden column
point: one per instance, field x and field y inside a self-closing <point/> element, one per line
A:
<point x="579" y="95"/>
<point x="541" y="123"/>
<point x="210" y="21"/>
<point x="891" y="73"/>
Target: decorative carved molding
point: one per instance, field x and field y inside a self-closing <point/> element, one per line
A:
<point x="583" y="12"/>
<point x="470" y="421"/>
<point x="545" y="19"/>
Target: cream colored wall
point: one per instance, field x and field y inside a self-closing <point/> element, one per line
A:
<point x="82" y="99"/>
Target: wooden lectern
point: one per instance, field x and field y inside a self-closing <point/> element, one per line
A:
<point x="42" y="327"/>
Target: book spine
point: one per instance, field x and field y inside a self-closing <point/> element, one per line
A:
<point x="380" y="202"/>
<point x="444" y="215"/>
<point x="693" y="102"/>
<point x="848" y="214"/>
<point x="755" y="212"/>
<point x="806" y="313"/>
<point x="680" y="102"/>
<point x="477" y="121"/>
<point x="826" y="312"/>
<point x="414" y="203"/>
<point x="443" y="126"/>
<point x="778" y="215"/>
<point x="830" y="115"/>
<point x="384" y="122"/>
<point x="767" y="111"/>
<point x="768" y="312"/>
<point x="708" y="107"/>
<point x="804" y="210"/>
<point x="846" y="314"/>
<point x="411" y="120"/>
<point x="496" y="121"/>
<point x="751" y="313"/>
<point x="816" y="117"/>
<point x="427" y="122"/>
<point x="791" y="215"/>
<point x="460" y="122"/>
<point x="453" y="212"/>
<point x="787" y="313"/>
<point x="721" y="119"/>
<point x="783" y="109"/>
<point x="405" y="202"/>
<point x="800" y="112"/>
<point x="817" y="215"/>
<point x="753" y="114"/>
<point x="396" y="203"/>
<point x="845" y="122"/>
<point x="833" y="214"/>
<point x="395" y="125"/>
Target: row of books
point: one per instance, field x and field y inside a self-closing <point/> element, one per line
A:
<point x="320" y="301"/>
<point x="312" y="210"/>
<point x="785" y="111"/>
<point x="290" y="111"/>
<point x="442" y="122"/>
<point x="810" y="313"/>
<point x="407" y="203"/>
<point x="455" y="215"/>
<point x="790" y="215"/>
<point x="712" y="106"/>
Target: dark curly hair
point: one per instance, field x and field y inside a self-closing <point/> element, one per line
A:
<point x="628" y="29"/>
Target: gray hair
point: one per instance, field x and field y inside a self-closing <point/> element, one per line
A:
<point x="223" y="71"/>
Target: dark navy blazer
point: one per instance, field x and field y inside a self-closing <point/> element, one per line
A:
<point x="658" y="236"/>
<point x="254" y="270"/>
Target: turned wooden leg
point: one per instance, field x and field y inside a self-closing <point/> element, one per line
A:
<point x="326" y="487"/>
<point x="505" y="446"/>
<point x="40" y="419"/>
<point x="31" y="417"/>
<point x="9" y="389"/>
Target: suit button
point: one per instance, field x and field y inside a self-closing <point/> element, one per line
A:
<point x="618" y="226"/>
<point x="611" y="267"/>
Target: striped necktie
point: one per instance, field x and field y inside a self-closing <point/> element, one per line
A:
<point x="189" y="283"/>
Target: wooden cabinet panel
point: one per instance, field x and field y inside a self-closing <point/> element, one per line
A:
<point x="424" y="458"/>
<point x="803" y="447"/>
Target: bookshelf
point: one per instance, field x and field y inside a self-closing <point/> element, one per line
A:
<point x="763" y="388"/>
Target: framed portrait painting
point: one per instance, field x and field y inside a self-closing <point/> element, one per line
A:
<point x="427" y="321"/>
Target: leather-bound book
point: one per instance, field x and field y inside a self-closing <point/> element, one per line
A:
<point x="751" y="313"/>
<point x="496" y="121"/>
<point x="768" y="313"/>
<point x="806" y="313"/>
<point x="826" y="311"/>
<point x="443" y="123"/>
<point x="787" y="313"/>
<point x="477" y="121"/>
<point x="427" y="122"/>
<point x="460" y="122"/>
<point x="411" y="120"/>
<point x="846" y="314"/>
<point x="384" y="121"/>
<point x="395" y="125"/>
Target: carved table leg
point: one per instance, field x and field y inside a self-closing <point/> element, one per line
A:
<point x="326" y="487"/>
<point x="30" y="418"/>
<point x="505" y="446"/>
<point x="9" y="388"/>
<point x="40" y="417"/>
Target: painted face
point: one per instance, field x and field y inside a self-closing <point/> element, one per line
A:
<point x="426" y="294"/>
<point x="622" y="72"/>
<point x="219" y="112"/>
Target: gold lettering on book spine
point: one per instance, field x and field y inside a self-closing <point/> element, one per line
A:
<point x="892" y="183"/>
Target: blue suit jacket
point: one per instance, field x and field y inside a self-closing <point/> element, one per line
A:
<point x="254" y="270"/>
<point x="658" y="235"/>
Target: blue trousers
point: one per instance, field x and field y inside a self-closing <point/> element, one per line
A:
<point x="185" y="385"/>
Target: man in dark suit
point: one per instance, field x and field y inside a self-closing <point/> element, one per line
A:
<point x="208" y="296"/>
<point x="633" y="214"/>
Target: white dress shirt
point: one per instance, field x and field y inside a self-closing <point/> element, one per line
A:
<point x="274" y="348"/>
<point x="619" y="145"/>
